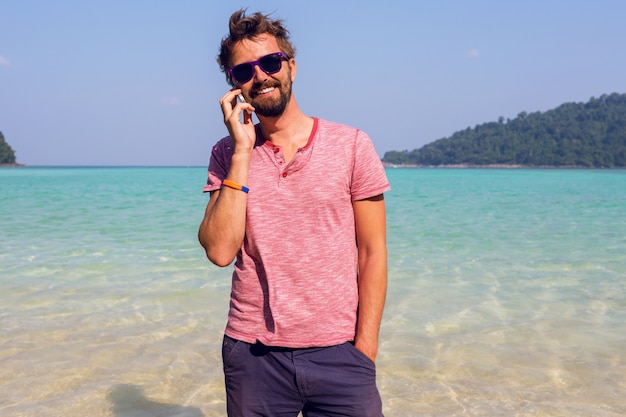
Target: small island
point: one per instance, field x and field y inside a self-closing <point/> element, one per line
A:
<point x="7" y="155"/>
<point x="573" y="135"/>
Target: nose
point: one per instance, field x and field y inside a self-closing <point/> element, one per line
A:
<point x="259" y="74"/>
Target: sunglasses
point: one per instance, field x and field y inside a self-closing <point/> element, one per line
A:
<point x="270" y="64"/>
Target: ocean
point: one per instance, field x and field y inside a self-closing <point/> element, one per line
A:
<point x="507" y="294"/>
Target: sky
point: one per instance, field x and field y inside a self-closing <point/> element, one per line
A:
<point x="135" y="82"/>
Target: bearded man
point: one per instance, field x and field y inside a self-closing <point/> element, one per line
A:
<point x="297" y="202"/>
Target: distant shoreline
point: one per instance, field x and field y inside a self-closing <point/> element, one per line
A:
<point x="495" y="166"/>
<point x="12" y="165"/>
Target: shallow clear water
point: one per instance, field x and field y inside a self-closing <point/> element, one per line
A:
<point x="507" y="294"/>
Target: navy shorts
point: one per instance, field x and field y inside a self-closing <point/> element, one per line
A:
<point x="281" y="382"/>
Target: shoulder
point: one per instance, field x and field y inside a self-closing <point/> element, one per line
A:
<point x="223" y="146"/>
<point x="333" y="128"/>
<point x="341" y="134"/>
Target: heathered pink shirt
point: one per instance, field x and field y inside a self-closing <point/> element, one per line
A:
<point x="295" y="278"/>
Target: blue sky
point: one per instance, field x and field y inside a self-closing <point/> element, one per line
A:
<point x="124" y="82"/>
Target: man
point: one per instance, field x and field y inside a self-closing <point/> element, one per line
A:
<point x="299" y="202"/>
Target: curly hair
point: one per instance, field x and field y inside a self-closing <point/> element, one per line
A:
<point x="248" y="27"/>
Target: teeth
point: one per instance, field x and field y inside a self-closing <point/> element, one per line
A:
<point x="266" y="90"/>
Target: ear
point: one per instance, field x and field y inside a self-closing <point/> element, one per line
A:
<point x="292" y="68"/>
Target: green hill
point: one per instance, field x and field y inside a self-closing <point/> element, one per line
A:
<point x="591" y="134"/>
<point x="7" y="156"/>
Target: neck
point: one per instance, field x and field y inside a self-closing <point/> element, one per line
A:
<point x="289" y="130"/>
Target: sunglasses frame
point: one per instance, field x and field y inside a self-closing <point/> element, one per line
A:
<point x="257" y="63"/>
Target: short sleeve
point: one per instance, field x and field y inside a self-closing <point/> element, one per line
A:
<point x="368" y="175"/>
<point x="219" y="164"/>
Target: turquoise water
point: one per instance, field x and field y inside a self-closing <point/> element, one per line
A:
<point x="507" y="294"/>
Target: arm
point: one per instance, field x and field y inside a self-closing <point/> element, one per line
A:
<point x="370" y="221"/>
<point x="223" y="226"/>
<point x="222" y="229"/>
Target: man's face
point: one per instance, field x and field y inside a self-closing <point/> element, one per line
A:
<point x="268" y="93"/>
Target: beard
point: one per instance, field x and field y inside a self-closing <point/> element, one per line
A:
<point x="272" y="107"/>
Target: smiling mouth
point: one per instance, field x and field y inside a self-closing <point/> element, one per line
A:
<point x="262" y="89"/>
<point x="265" y="91"/>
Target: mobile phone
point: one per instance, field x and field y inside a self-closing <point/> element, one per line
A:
<point x="241" y="98"/>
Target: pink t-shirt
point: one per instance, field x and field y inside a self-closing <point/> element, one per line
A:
<point x="295" y="278"/>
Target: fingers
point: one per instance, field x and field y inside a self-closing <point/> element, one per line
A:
<point x="227" y="103"/>
<point x="229" y="99"/>
<point x="241" y="131"/>
<point x="231" y="108"/>
<point x="247" y="116"/>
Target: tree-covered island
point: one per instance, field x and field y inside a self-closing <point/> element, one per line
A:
<point x="591" y="134"/>
<point x="7" y="155"/>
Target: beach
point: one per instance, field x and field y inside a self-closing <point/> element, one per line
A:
<point x="507" y="294"/>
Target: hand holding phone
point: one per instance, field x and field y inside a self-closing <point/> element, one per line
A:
<point x="238" y="118"/>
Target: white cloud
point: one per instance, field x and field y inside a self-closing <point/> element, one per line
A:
<point x="4" y="62"/>
<point x="170" y="101"/>
<point x="473" y="53"/>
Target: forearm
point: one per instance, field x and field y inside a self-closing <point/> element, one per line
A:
<point x="370" y="222"/>
<point x="222" y="229"/>
<point x="372" y="285"/>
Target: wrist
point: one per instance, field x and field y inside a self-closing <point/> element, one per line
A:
<point x="240" y="163"/>
<point x="241" y="156"/>
<point x="367" y="347"/>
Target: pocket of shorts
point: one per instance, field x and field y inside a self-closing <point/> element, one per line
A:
<point x="230" y="346"/>
<point x="361" y="356"/>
